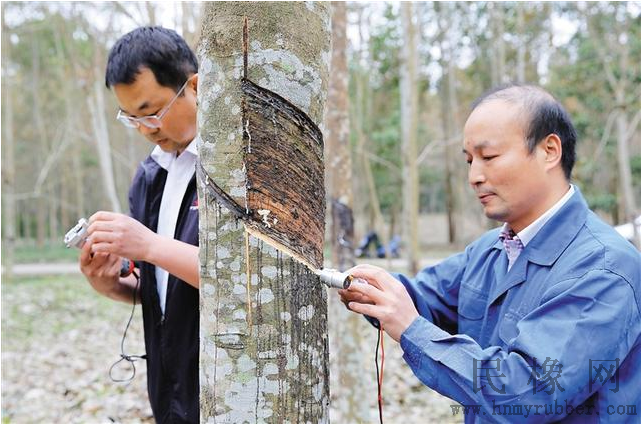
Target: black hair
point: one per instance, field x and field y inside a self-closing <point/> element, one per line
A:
<point x="161" y="50"/>
<point x="546" y="116"/>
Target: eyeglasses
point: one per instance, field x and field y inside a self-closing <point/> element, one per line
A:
<point x="150" y="121"/>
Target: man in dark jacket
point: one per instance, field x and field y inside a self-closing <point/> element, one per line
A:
<point x="153" y="73"/>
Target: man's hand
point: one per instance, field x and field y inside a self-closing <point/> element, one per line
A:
<point x="383" y="298"/>
<point x="119" y="234"/>
<point x="101" y="269"/>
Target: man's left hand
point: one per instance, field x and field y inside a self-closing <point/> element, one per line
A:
<point x="387" y="299"/>
<point x="119" y="234"/>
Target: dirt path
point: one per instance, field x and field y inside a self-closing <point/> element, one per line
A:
<point x="39" y="269"/>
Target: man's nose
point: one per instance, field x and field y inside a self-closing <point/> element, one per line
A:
<point x="475" y="174"/>
<point x="144" y="130"/>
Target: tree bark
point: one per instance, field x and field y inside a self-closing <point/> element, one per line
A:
<point x="345" y="328"/>
<point x="264" y="355"/>
<point x="409" y="127"/>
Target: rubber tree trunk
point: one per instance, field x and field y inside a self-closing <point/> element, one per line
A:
<point x="346" y="329"/>
<point x="264" y="347"/>
<point x="409" y="127"/>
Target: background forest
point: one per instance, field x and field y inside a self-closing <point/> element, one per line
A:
<point x="64" y="155"/>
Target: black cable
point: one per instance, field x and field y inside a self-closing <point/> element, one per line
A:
<point x="130" y="358"/>
<point x="378" y="381"/>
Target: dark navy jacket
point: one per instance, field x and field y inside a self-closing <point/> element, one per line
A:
<point x="172" y="343"/>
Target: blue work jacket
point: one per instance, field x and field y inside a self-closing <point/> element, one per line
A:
<point x="555" y="339"/>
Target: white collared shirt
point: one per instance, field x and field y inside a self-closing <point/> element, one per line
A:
<point x="180" y="170"/>
<point x="527" y="234"/>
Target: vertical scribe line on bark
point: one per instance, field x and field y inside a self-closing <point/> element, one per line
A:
<point x="245" y="43"/>
<point x="248" y="273"/>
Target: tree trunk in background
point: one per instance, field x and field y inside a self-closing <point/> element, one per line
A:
<point x="624" y="85"/>
<point x="41" y="202"/>
<point x="457" y="170"/>
<point x="446" y="122"/>
<point x="79" y="184"/>
<point x="625" y="172"/>
<point x="96" y="105"/>
<point x="621" y="83"/>
<point x="521" y="48"/>
<point x="500" y="31"/>
<point x="264" y="355"/>
<point x="8" y="163"/>
<point x="151" y="13"/>
<point x="54" y="203"/>
<point x="375" y="220"/>
<point x="65" y="191"/>
<point x="184" y="23"/>
<point x="409" y="127"/>
<point x="69" y="132"/>
<point x="191" y="11"/>
<point x="345" y="328"/>
<point x="77" y="147"/>
<point x="29" y="220"/>
<point x="498" y="44"/>
<point x="337" y="149"/>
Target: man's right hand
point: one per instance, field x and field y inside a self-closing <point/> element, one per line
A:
<point x="101" y="269"/>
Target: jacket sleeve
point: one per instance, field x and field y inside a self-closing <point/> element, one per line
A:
<point x="435" y="289"/>
<point x="594" y="316"/>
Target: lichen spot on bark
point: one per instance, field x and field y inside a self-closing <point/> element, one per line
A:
<point x="282" y="72"/>
<point x="306" y="312"/>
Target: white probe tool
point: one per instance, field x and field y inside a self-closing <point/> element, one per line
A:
<point x="336" y="279"/>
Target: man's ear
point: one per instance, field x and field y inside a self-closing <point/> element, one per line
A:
<point x="193" y="83"/>
<point x="553" y="150"/>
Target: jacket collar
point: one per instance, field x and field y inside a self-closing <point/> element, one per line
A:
<point x="555" y="236"/>
<point x="546" y="246"/>
<point x="164" y="159"/>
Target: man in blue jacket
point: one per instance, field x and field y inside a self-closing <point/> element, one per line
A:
<point x="153" y="73"/>
<point x="536" y="321"/>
